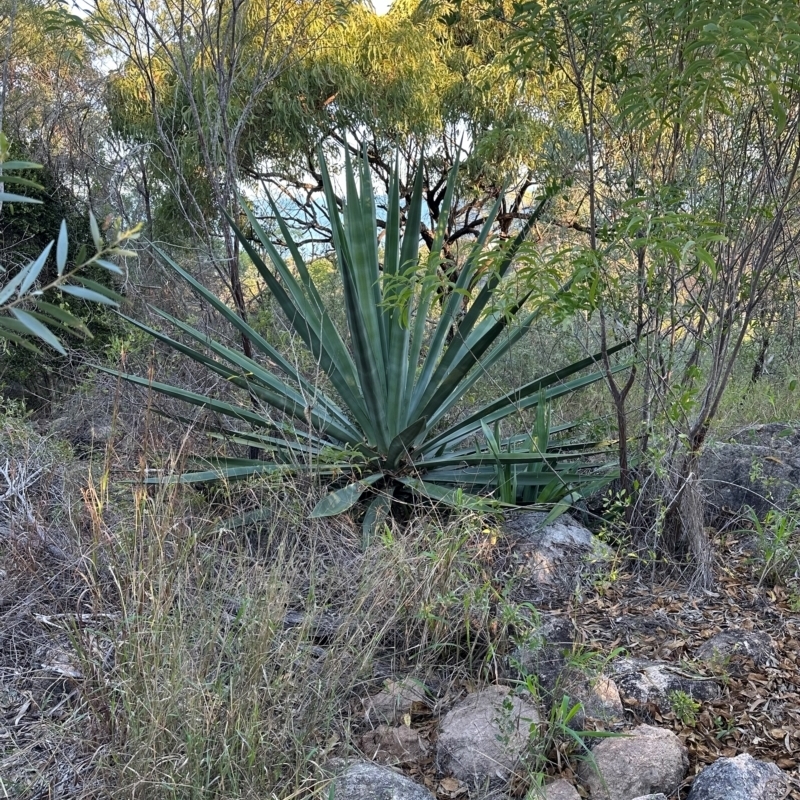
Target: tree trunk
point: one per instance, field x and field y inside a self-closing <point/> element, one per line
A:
<point x="761" y="360"/>
<point x="685" y="531"/>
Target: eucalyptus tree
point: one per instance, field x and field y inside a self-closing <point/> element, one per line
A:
<point x="427" y="79"/>
<point x="189" y="81"/>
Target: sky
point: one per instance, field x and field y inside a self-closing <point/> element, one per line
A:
<point x="382" y="6"/>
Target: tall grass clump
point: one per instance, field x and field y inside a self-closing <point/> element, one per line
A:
<point x="241" y="662"/>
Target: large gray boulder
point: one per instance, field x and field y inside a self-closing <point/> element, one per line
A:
<point x="483" y="737"/>
<point x="548" y="562"/>
<point x="365" y="781"/>
<point x="758" y="466"/>
<point x="647" y="760"/>
<point x="740" y="778"/>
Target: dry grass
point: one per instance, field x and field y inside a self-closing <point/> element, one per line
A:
<point x="160" y="655"/>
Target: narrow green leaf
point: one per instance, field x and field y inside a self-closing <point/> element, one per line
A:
<point x="88" y="294"/>
<point x="96" y="237"/>
<point x="18" y="166"/>
<point x="261" y="343"/>
<point x="454" y="304"/>
<point x="17" y="181"/>
<point x="108" y="265"/>
<point x="428" y="288"/>
<point x="32" y="271"/>
<point x="402" y="442"/>
<point x="37" y="329"/>
<point x="377" y="512"/>
<point x="99" y="288"/>
<point x="11" y="334"/>
<point x="455" y="498"/>
<point x="521" y="397"/>
<point x="61" y="248"/>
<point x="8" y="197"/>
<point x="64" y="317"/>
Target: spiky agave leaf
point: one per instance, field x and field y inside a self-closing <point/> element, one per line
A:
<point x="395" y="376"/>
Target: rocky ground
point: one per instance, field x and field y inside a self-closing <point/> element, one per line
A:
<point x="701" y="691"/>
<point x="708" y="679"/>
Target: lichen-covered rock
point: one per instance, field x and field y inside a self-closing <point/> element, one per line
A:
<point x="596" y="698"/>
<point x="647" y="760"/>
<point x="483" y="737"/>
<point x="365" y="781"/>
<point x="729" y="645"/>
<point x="655" y="682"/>
<point x="548" y="561"/>
<point x="393" y="745"/>
<point x="396" y="699"/>
<point x="560" y="790"/>
<point x="545" y="656"/>
<point x="740" y="778"/>
<point x="656" y="796"/>
<point x="600" y="699"/>
<point x="758" y="466"/>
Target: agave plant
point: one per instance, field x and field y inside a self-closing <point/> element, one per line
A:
<point x="396" y="373"/>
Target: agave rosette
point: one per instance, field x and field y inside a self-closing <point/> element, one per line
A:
<point x="397" y="372"/>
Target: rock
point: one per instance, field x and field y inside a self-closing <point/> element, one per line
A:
<point x="395" y="700"/>
<point x="740" y="778"/>
<point x="758" y="466"/>
<point x="656" y="796"/>
<point x="364" y="781"/>
<point x="482" y="738"/>
<point x="546" y="655"/>
<point x="548" y="562"/>
<point x="393" y="746"/>
<point x="546" y="659"/>
<point x="739" y="644"/>
<point x="599" y="698"/>
<point x="560" y="790"/>
<point x="647" y="682"/>
<point x="647" y="760"/>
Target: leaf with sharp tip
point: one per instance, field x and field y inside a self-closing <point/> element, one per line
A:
<point x="20" y="165"/>
<point x="376" y="515"/>
<point x="88" y="294"/>
<point x="99" y="288"/>
<point x="109" y="266"/>
<point x="64" y="317"/>
<point x="32" y="271"/>
<point x="61" y="248"/>
<point x="454" y="498"/>
<point x="37" y="329"/>
<point x="16" y="180"/>
<point x="8" y="197"/>
<point x="96" y="237"/>
<point x="403" y="441"/>
<point x="339" y="501"/>
<point x="10" y="331"/>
